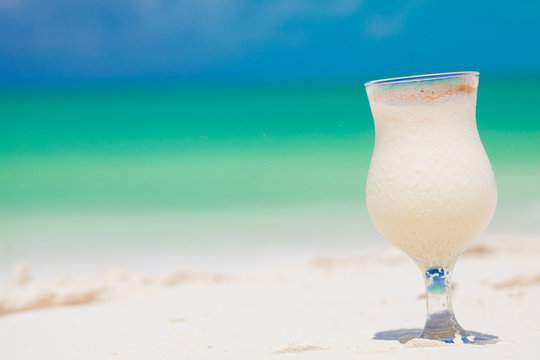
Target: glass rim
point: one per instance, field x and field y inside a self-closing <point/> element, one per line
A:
<point x="420" y="78"/>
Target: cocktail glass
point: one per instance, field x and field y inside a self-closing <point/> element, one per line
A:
<point x="430" y="188"/>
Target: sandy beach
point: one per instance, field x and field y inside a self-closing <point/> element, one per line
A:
<point x="328" y="307"/>
<point x="246" y="180"/>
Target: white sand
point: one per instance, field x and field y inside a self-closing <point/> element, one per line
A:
<point x="329" y="308"/>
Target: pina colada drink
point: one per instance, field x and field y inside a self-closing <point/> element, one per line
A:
<point x="430" y="188"/>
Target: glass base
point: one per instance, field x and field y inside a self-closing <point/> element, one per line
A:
<point x="442" y="326"/>
<point x="406" y="335"/>
<point x="466" y="337"/>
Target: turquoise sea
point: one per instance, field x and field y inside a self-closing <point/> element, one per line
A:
<point x="216" y="151"/>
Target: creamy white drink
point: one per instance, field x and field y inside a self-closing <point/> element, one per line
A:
<point x="430" y="188"/>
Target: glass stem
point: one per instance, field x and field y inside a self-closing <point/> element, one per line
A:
<point x="441" y="323"/>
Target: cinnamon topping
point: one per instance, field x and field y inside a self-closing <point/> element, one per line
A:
<point x="421" y="93"/>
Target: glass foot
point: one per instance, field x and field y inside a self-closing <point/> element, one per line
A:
<point x="442" y="326"/>
<point x="406" y="335"/>
<point x="466" y="337"/>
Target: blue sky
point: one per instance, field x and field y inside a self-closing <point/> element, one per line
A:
<point x="238" y="40"/>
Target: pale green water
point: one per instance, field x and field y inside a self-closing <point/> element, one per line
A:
<point x="120" y="167"/>
<point x="208" y="148"/>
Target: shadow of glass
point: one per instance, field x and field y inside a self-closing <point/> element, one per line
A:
<point x="404" y="335"/>
<point x="397" y="334"/>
